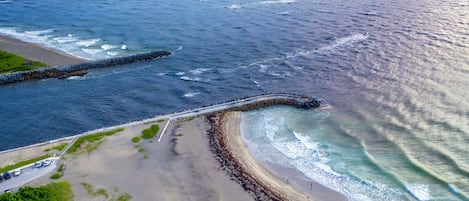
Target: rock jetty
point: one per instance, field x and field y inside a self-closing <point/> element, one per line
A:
<point x="77" y="69"/>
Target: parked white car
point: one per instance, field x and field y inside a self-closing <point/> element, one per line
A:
<point x="17" y="172"/>
<point x="46" y="162"/>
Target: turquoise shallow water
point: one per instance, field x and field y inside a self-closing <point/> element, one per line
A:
<point x="350" y="156"/>
<point x="396" y="75"/>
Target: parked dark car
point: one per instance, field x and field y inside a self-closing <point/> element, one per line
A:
<point x="6" y="175"/>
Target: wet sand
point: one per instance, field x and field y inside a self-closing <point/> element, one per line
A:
<point x="37" y="52"/>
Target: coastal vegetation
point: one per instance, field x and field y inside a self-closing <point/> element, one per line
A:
<point x="10" y="62"/>
<point x="23" y="163"/>
<point x="59" y="172"/>
<point x="59" y="147"/>
<point x="179" y="135"/>
<point x="109" y="196"/>
<point x="156" y="121"/>
<point x="96" y="137"/>
<point x="136" y="139"/>
<point x="56" y="175"/>
<point x="151" y="132"/>
<point x="55" y="191"/>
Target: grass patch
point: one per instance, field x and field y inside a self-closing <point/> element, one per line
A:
<point x="145" y="156"/>
<point x="136" y="139"/>
<point x="92" y="192"/>
<point x="61" y="191"/>
<point x="23" y="163"/>
<point x="55" y="191"/>
<point x="156" y="121"/>
<point x="56" y="175"/>
<point x="179" y="134"/>
<point x="10" y="62"/>
<point x="141" y="149"/>
<point x="92" y="138"/>
<point x="59" y="147"/>
<point x="124" y="197"/>
<point x="151" y="132"/>
<point x="190" y="118"/>
<point x="61" y="168"/>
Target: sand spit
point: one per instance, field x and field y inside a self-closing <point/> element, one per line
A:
<point x="234" y="157"/>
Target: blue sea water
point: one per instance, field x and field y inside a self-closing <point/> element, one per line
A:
<point x="395" y="74"/>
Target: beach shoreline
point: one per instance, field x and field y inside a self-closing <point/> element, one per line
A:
<point x="201" y="156"/>
<point x="38" y="52"/>
<point x="262" y="175"/>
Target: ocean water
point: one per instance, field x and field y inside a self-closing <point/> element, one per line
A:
<point x="395" y="74"/>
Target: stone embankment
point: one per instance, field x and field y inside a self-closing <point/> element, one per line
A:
<point x="77" y="69"/>
<point x="228" y="161"/>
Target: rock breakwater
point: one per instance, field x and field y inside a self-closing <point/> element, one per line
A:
<point x="74" y="69"/>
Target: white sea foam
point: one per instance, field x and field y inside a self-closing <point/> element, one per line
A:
<point x="196" y="79"/>
<point x="420" y="191"/>
<point x="278" y="1"/>
<point x="191" y="94"/>
<point x="179" y="48"/>
<point x="40" y="32"/>
<point x="38" y="36"/>
<point x="345" y="41"/>
<point x="180" y="73"/>
<point x="65" y="39"/>
<point x="284" y="13"/>
<point x="199" y="71"/>
<point x="88" y="42"/>
<point x="235" y="6"/>
<point x="5" y="1"/>
<point x="112" y="53"/>
<point x="76" y="78"/>
<point x="91" y="51"/>
<point x="108" y="47"/>
<point x="123" y="46"/>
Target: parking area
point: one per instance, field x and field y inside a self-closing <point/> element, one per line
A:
<point x="28" y="173"/>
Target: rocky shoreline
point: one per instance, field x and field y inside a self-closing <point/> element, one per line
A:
<point x="77" y="69"/>
<point x="232" y="166"/>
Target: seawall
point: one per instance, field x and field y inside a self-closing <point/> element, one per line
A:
<point x="241" y="104"/>
<point x="77" y="69"/>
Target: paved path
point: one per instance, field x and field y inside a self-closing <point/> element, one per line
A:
<point x="29" y="173"/>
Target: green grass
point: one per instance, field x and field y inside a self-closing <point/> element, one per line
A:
<point x="136" y="139"/>
<point x="156" y="121"/>
<point x="179" y="134"/>
<point x="61" y="168"/>
<point x="124" y="197"/>
<point x="55" y="191"/>
<point x="141" y="149"/>
<point x="56" y="175"/>
<point x="145" y="156"/>
<point x="151" y="132"/>
<point x="92" y="138"/>
<point x="94" y="193"/>
<point x="10" y="62"/>
<point x="23" y="163"/>
<point x="59" y="147"/>
<point x="61" y="191"/>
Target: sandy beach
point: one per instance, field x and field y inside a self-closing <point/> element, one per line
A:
<point x="186" y="165"/>
<point x="37" y="52"/>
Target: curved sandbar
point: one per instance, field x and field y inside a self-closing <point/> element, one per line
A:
<point x="77" y="69"/>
